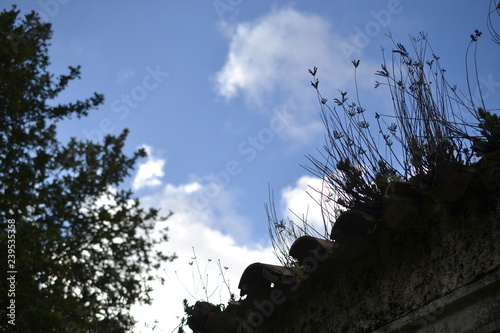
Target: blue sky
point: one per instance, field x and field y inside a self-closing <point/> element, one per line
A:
<point x="219" y="93"/>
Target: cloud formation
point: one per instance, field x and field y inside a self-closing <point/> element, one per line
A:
<point x="149" y="172"/>
<point x="268" y="61"/>
<point x="273" y="53"/>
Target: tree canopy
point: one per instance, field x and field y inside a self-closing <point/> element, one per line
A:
<point x="83" y="248"/>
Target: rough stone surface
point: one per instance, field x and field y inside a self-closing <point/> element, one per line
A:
<point x="451" y="246"/>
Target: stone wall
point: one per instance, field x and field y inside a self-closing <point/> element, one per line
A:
<point x="452" y="246"/>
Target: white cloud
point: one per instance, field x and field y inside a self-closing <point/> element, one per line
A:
<point x="149" y="172"/>
<point x="301" y="201"/>
<point x="268" y="63"/>
<point x="273" y="52"/>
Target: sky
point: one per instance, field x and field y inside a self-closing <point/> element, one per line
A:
<point x="218" y="92"/>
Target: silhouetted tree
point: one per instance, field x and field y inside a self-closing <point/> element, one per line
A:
<point x="83" y="246"/>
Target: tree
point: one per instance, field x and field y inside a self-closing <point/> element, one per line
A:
<point x="83" y="247"/>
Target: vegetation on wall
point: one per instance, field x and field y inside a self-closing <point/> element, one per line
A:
<point x="203" y="291"/>
<point x="434" y="126"/>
